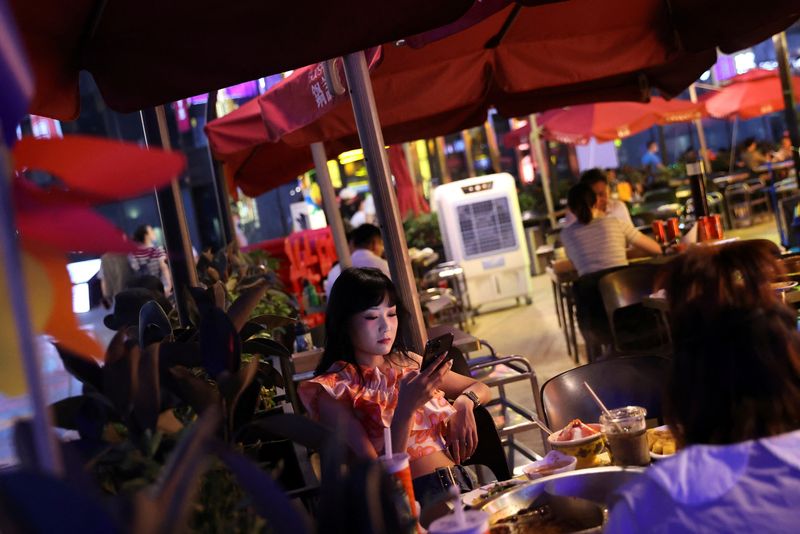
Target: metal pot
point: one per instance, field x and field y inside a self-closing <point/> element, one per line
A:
<point x="581" y="495"/>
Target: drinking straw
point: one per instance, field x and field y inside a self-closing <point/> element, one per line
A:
<point x="541" y="425"/>
<point x="601" y="405"/>
<point x="458" y="507"/>
<point x="387" y="442"/>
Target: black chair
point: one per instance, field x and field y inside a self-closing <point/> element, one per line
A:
<point x="592" y="319"/>
<point x="635" y="328"/>
<point x="634" y="381"/>
<point x="490" y="450"/>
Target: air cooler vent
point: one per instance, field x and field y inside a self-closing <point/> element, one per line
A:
<point x="486" y="227"/>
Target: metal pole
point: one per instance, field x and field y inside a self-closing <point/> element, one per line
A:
<point x="466" y="136"/>
<point x="701" y="133"/>
<point x="441" y="156"/>
<point x="330" y="205"/>
<point x="789" y="106"/>
<point x="733" y="144"/>
<point x="173" y="216"/>
<point x="47" y="453"/>
<point x="544" y="168"/>
<point x="491" y="141"/>
<point x="371" y="137"/>
<point x="218" y="180"/>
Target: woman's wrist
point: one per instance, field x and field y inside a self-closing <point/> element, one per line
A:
<point x="463" y="402"/>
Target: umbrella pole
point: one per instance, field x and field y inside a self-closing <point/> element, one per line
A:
<point x="544" y="169"/>
<point x="173" y="216"/>
<point x="701" y="133"/>
<point x="218" y="181"/>
<point x="733" y="144"/>
<point x="330" y="205"/>
<point x="441" y="148"/>
<point x="466" y="136"/>
<point x="47" y="453"/>
<point x="789" y="108"/>
<point x="371" y="137"/>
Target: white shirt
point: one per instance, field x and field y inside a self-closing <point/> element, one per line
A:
<point x="599" y="245"/>
<point x="361" y="257"/>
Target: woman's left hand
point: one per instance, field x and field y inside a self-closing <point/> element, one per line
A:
<point x="462" y="432"/>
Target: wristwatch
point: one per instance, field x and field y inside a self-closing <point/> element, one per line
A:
<point x="473" y="397"/>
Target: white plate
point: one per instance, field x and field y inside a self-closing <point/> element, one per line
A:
<point x="656" y="456"/>
<point x="477" y="495"/>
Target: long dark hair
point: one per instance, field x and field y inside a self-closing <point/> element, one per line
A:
<point x="736" y="367"/>
<point x="581" y="199"/>
<point x="355" y="290"/>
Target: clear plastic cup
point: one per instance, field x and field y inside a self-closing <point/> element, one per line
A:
<point x="475" y="522"/>
<point x="625" y="435"/>
<point x="398" y="465"/>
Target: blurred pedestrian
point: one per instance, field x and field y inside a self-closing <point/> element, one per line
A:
<point x="115" y="272"/>
<point x="149" y="258"/>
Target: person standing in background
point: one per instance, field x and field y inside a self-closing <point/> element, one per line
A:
<point x="149" y="258"/>
<point x="651" y="162"/>
<point x="115" y="272"/>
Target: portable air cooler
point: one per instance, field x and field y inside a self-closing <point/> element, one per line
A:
<point x="482" y="231"/>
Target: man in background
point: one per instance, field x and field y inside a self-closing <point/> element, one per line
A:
<point x="366" y="243"/>
<point x="598" y="181"/>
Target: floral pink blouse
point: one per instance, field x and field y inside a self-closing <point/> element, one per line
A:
<point x="374" y="403"/>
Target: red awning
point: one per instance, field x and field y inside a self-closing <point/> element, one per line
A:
<point x="148" y="52"/>
<point x="552" y="55"/>
<point x="750" y="95"/>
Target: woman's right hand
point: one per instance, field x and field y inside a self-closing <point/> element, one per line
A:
<point x="417" y="387"/>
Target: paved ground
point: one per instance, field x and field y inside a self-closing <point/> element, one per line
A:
<point x="531" y="331"/>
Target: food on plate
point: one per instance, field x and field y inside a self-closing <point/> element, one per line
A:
<point x="554" y="462"/>
<point x="576" y="429"/>
<point x="583" y="441"/>
<point x="661" y="441"/>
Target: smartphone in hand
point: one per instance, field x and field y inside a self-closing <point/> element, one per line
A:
<point x="436" y="347"/>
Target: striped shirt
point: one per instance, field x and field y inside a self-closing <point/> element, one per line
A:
<point x="598" y="245"/>
<point x="147" y="260"/>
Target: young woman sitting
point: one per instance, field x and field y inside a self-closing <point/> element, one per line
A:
<point x="368" y="381"/>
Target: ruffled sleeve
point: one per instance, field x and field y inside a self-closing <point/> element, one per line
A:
<point x="340" y="385"/>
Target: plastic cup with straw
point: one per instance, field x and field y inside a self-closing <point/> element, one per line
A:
<point x="601" y="405"/>
<point x="624" y="429"/>
<point x="461" y="521"/>
<point x="397" y="464"/>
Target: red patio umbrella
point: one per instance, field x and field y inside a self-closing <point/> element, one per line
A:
<point x="606" y="121"/>
<point x="143" y="53"/>
<point x="750" y="95"/>
<point x="580" y="51"/>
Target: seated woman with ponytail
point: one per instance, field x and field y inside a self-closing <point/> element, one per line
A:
<point x="596" y="241"/>
<point x="596" y="244"/>
<point x="368" y="381"/>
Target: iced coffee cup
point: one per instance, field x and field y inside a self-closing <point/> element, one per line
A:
<point x="398" y="466"/>
<point x="474" y="522"/>
<point x="624" y="429"/>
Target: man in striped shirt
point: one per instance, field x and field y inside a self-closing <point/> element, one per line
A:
<point x="149" y="258"/>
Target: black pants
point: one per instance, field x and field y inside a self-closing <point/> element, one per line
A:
<point x="430" y="489"/>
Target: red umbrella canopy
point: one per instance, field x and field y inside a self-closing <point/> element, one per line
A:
<point x="750" y="95"/>
<point x="606" y="121"/>
<point x="552" y="55"/>
<point x="148" y="52"/>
